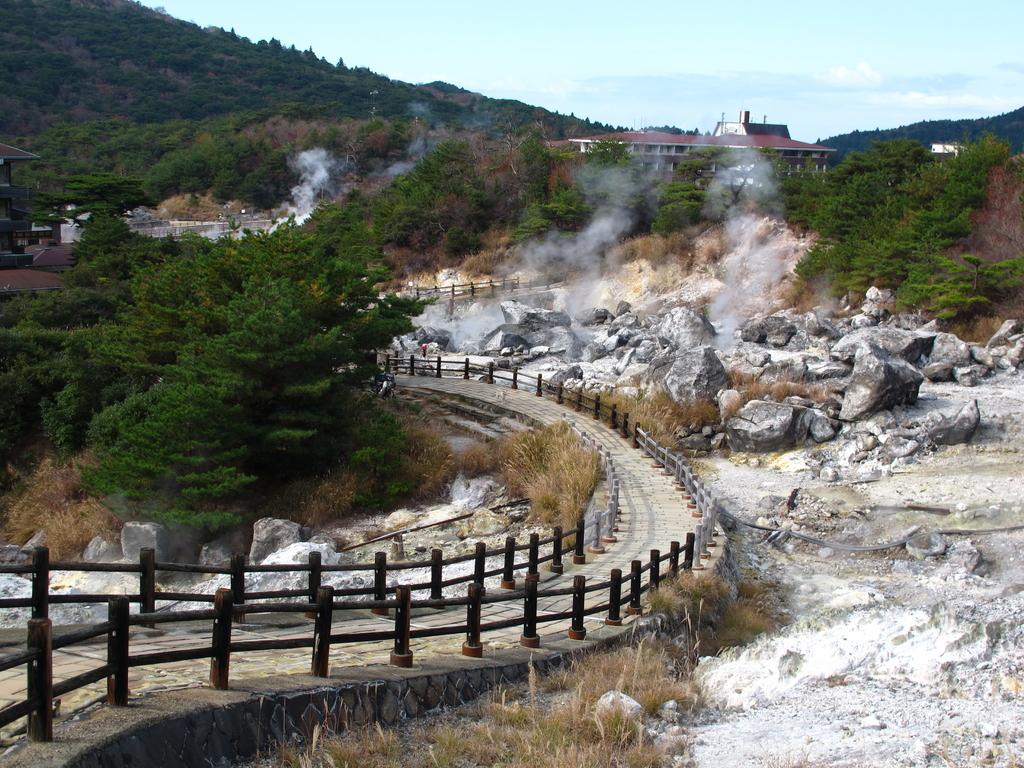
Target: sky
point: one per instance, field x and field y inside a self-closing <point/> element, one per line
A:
<point x="823" y="68"/>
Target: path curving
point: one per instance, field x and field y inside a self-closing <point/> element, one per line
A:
<point x="653" y="514"/>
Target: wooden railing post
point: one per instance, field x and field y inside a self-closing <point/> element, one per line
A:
<point x="625" y="425"/>
<point x="515" y="378"/>
<point x="117" y="651"/>
<point x="465" y="370"/>
<point x="578" y="405"/>
<point x="316" y="571"/>
<point x="540" y="384"/>
<point x="614" y="424"/>
<point x="490" y="372"/>
<point x="387" y="363"/>
<point x="147" y="580"/>
<point x="508" y="576"/>
<point x="655" y="577"/>
<point x="597" y="407"/>
<point x="438" y="367"/>
<point x="220" y="660"/>
<point x="615" y="599"/>
<point x="40" y="583"/>
<point x="380" y="582"/>
<point x="578" y="555"/>
<point x="634" y="608"/>
<point x="320" y="665"/>
<point x="673" y="558"/>
<point x="401" y="656"/>
<point x="238" y="581"/>
<point x="636" y="435"/>
<point x="688" y="551"/>
<point x="556" y="550"/>
<point x="561" y="393"/>
<point x="534" y="555"/>
<point x="576" y="629"/>
<point x="436" y="574"/>
<point x="412" y="365"/>
<point x="479" y="563"/>
<point x="473" y="647"/>
<point x="40" y="680"/>
<point x="530" y="638"/>
<point x="472" y="289"/>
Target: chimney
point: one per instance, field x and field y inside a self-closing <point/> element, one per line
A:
<point x="745" y="116"/>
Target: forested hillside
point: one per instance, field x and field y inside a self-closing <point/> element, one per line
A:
<point x="1009" y="126"/>
<point x="79" y="60"/>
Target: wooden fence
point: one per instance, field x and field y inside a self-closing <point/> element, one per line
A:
<point x="484" y="288"/>
<point x="322" y="603"/>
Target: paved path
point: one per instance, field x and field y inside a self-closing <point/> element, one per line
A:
<point x="653" y="515"/>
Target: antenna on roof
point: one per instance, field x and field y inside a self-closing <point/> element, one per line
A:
<point x="765" y="120"/>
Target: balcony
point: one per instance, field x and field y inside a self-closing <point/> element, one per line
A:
<point x="15" y="225"/>
<point x="12" y="192"/>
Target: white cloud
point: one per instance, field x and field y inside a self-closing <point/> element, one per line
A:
<point x="860" y="76"/>
<point x="944" y="100"/>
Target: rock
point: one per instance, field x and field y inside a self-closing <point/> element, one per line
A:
<point x="592" y="352"/>
<point x="863" y="321"/>
<point x="38" y="540"/>
<point x="505" y="336"/>
<point x="670" y="711"/>
<point x="536" y="352"/>
<point x="879" y="382"/>
<point x="963" y="554"/>
<point x="790" y="368"/>
<point x="938" y="372"/>
<point x="694" y="375"/>
<point x="622" y="308"/>
<point x="596" y="316"/>
<point x="761" y="425"/>
<point x="270" y="534"/>
<point x="684" y="329"/>
<point x="876" y="297"/>
<point x="970" y="375"/>
<point x="137" y="535"/>
<point x="822" y="370"/>
<point x="1008" y="329"/>
<point x="565" y="374"/>
<point x="949" y="349"/>
<point x="871" y="723"/>
<point x="924" y="545"/>
<point x="400" y="518"/>
<point x="533" y="318"/>
<point x="428" y="335"/>
<point x="12" y="554"/>
<point x="956" y="429"/>
<point x="219" y="550"/>
<point x="899" y="343"/>
<point x="982" y="356"/>
<point x="645" y="350"/>
<point x="899" y="448"/>
<point x="828" y="474"/>
<point x="729" y="402"/>
<point x="775" y="330"/>
<point x="483" y="523"/>
<point x="820" y="426"/>
<point x="627" y="320"/>
<point x="618" y="703"/>
<point x="99" y="550"/>
<point x="624" y="361"/>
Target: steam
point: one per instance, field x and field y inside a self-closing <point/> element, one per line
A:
<point x="319" y="172"/>
<point x="757" y="259"/>
<point x="417" y="148"/>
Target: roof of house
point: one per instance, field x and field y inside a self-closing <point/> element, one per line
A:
<point x="17" y="280"/>
<point x="757" y="141"/>
<point x="59" y="255"/>
<point x="7" y="152"/>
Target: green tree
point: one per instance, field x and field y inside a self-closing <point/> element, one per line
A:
<point x="94" y="195"/>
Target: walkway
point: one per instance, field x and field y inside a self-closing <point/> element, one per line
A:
<point x="653" y="515"/>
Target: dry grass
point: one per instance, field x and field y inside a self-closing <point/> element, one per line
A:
<point x="427" y="461"/>
<point x="657" y="250"/>
<point x="479" y="459"/>
<point x="551" y="468"/>
<point x="52" y="499"/>
<point x="662" y="416"/>
<point x="775" y="389"/>
<point x="803" y="296"/>
<point x="976" y="329"/>
<point x="553" y="723"/>
<point x="314" y="501"/>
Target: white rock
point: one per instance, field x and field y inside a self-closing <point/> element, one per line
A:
<point x="871" y="723"/>
<point x="617" y="702"/>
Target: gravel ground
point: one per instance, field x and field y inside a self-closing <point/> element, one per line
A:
<point x="889" y="660"/>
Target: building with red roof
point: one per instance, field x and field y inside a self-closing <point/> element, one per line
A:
<point x="14" y="281"/>
<point x="663" y="151"/>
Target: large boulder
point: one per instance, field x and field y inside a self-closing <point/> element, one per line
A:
<point x="565" y="374"/>
<point x="428" y="335"/>
<point x="775" y="330"/>
<point x="99" y="550"/>
<point x="219" y="550"/>
<point x="895" y="341"/>
<point x="761" y="425"/>
<point x="596" y="316"/>
<point x="136" y="536"/>
<point x="617" y="703"/>
<point x="697" y="374"/>
<point x="1007" y="333"/>
<point x="950" y="350"/>
<point x="269" y="534"/>
<point x="684" y="329"/>
<point x="957" y="428"/>
<point x="507" y="335"/>
<point x="879" y="381"/>
<point x="533" y="318"/>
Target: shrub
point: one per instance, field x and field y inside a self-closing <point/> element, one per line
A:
<point x="662" y="416"/>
